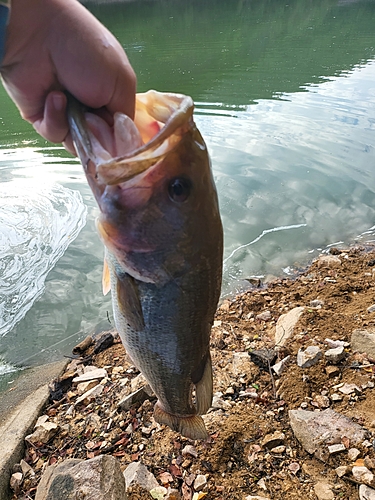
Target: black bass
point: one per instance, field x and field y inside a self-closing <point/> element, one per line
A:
<point x="161" y="227"/>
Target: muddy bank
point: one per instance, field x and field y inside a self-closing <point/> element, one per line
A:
<point x="333" y="298"/>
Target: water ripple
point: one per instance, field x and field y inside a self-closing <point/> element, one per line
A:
<point x="36" y="226"/>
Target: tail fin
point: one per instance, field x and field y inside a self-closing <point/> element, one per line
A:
<point x="191" y="426"/>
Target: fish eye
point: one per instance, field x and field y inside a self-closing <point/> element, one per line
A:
<point x="179" y="189"/>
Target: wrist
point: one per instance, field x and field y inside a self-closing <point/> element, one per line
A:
<point x="4" y="17"/>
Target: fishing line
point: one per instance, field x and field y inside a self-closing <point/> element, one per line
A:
<point x="20" y="363"/>
<point x="263" y="233"/>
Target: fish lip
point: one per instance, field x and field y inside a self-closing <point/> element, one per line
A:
<point x="177" y="116"/>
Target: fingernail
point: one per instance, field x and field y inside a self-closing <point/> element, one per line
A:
<point x="58" y="102"/>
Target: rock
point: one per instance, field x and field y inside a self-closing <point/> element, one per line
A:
<point x="90" y="394"/>
<point x="332" y="344"/>
<point x="83" y="387"/>
<point x="41" y="420"/>
<point x="43" y="433"/>
<point x="371" y="309"/>
<point x="353" y="454"/>
<point x="16" y="482"/>
<point x="329" y="262"/>
<point x="241" y="363"/>
<point x="342" y="470"/>
<point x="335" y="355"/>
<point x="363" y="475"/>
<point x="256" y="497"/>
<point x="189" y="450"/>
<point x="363" y="341"/>
<point x="277" y="438"/>
<point x="318" y="304"/>
<point x="336" y="397"/>
<point x="172" y="494"/>
<point x="309" y="357"/>
<point x="220" y="404"/>
<point x="366" y="493"/>
<point x="137" y="473"/>
<point x="336" y="448"/>
<point x="332" y="371"/>
<point x="200" y="482"/>
<point x="98" y="373"/>
<point x="137" y="397"/>
<point x="350" y="389"/>
<point x="27" y="470"/>
<point x="279" y="367"/>
<point x="324" y="491"/>
<point x="100" y="478"/>
<point x="158" y="493"/>
<point x="264" y="316"/>
<point x="316" y="431"/>
<point x="138" y="382"/>
<point x="322" y="401"/>
<point x="285" y="326"/>
<point x="263" y="358"/>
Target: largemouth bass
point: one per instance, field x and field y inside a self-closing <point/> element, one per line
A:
<point x="160" y="224"/>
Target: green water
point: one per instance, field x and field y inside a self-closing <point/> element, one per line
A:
<point x="285" y="98"/>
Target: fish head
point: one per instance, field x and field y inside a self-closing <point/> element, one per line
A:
<point x="159" y="213"/>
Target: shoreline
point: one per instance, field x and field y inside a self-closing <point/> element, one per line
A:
<point x="342" y="284"/>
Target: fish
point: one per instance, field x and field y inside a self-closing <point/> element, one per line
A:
<point x="161" y="227"/>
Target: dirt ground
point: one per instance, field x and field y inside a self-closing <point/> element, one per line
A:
<point x="254" y="402"/>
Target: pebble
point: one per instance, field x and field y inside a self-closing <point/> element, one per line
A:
<point x="220" y="404"/>
<point x="322" y="401"/>
<point x="336" y="448"/>
<point x="309" y="357"/>
<point x="200" y="482"/>
<point x="332" y="371"/>
<point x="336" y="397"/>
<point x="190" y="450"/>
<point x="363" y="475"/>
<point x="317" y="303"/>
<point x="353" y="454"/>
<point x="16" y="481"/>
<point x="83" y="387"/>
<point x="98" y="373"/>
<point x="90" y="394"/>
<point x="324" y="491"/>
<point x="279" y="367"/>
<point x="350" y="389"/>
<point x="335" y="355"/>
<point x="269" y="441"/>
<point x="342" y="470"/>
<point x="366" y="493"/>
<point x="264" y="316"/>
<point x="285" y="326"/>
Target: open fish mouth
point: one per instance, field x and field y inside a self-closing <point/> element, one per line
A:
<point x="160" y="121"/>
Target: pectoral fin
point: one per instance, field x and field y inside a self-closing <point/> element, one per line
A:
<point x="106" y="279"/>
<point x="129" y="303"/>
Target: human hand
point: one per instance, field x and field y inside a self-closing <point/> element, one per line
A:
<point x="57" y="45"/>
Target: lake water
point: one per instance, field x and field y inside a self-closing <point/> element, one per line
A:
<point x="285" y="99"/>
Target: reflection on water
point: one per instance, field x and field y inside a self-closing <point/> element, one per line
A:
<point x="285" y="99"/>
<point x="36" y="226"/>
